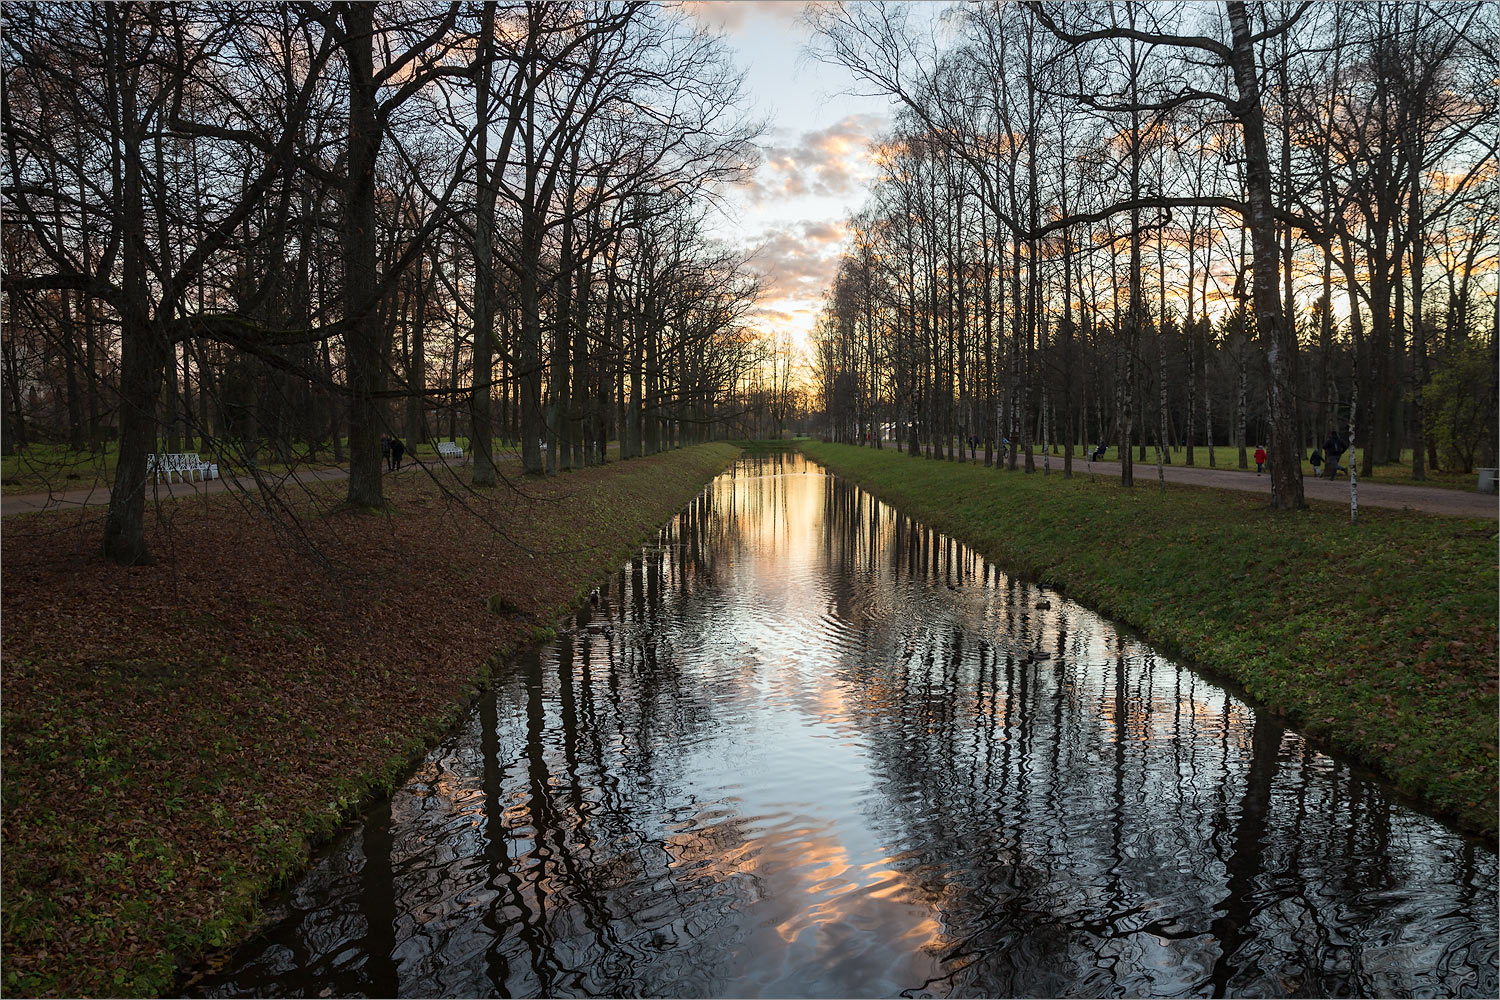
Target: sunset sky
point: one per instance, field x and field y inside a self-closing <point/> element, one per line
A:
<point x="815" y="166"/>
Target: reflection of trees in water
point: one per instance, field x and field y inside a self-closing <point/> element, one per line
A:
<point x="617" y="870"/>
<point x="1094" y="824"/>
<point x="604" y="867"/>
<point x="546" y="849"/>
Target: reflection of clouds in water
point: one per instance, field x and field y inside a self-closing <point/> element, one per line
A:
<point x="812" y="906"/>
<point x="805" y="745"/>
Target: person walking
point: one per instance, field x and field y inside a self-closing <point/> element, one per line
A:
<point x="1333" y="450"/>
<point x="1316" y="458"/>
<point x="385" y="450"/>
<point x="397" y="450"/>
<point x="1260" y="459"/>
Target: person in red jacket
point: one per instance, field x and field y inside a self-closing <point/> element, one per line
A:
<point x="1260" y="458"/>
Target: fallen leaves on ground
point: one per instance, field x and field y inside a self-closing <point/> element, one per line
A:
<point x="176" y="735"/>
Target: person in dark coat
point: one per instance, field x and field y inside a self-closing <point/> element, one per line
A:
<point x="397" y="450"/>
<point x="1333" y="449"/>
<point x="385" y="450"/>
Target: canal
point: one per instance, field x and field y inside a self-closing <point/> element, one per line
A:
<point x="803" y="746"/>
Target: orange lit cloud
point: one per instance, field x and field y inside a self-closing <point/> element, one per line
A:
<point x="829" y="162"/>
<point x="823" y="232"/>
<point x="799" y="261"/>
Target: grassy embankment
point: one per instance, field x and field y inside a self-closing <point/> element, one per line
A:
<point x="1379" y="638"/>
<point x="176" y="737"/>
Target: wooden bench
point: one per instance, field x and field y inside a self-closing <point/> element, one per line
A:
<point x="447" y="449"/>
<point x="183" y="465"/>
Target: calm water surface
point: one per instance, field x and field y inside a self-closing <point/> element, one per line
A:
<point x="805" y="746"/>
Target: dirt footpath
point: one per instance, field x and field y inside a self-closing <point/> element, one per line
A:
<point x="1428" y="499"/>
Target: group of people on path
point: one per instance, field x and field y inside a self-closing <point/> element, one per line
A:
<point x="391" y="450"/>
<point x="1333" y="450"/>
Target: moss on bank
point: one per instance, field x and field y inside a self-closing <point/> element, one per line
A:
<point x="1378" y="638"/>
<point x="178" y="737"/>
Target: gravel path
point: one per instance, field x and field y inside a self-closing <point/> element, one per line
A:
<point x="1427" y="499"/>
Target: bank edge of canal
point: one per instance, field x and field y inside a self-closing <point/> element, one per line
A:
<point x="1377" y="639"/>
<point x="178" y="739"/>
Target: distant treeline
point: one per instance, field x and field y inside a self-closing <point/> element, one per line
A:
<point x="1173" y="224"/>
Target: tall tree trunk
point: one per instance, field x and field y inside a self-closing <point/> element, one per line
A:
<point x="559" y="455"/>
<point x="1136" y="306"/>
<point x="577" y="417"/>
<point x="1208" y="354"/>
<point x="1242" y="406"/>
<point x="363" y="339"/>
<point x="416" y="366"/>
<point x="165" y="252"/>
<point x="14" y="433"/>
<point x="143" y="347"/>
<point x="651" y="411"/>
<point x="481" y="395"/>
<point x="630" y="433"/>
<point x="532" y="420"/>
<point x="1418" y="332"/>
<point x="1278" y="340"/>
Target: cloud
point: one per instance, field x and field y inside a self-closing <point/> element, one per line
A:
<point x="829" y="162"/>
<point x="799" y="261"/>
<point x="823" y="231"/>
<point x="732" y="16"/>
<point x="777" y="317"/>
<point x="798" y="322"/>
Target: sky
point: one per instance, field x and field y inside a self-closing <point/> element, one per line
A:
<point x="816" y="166"/>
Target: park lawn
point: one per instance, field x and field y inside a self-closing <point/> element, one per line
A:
<point x="47" y="468"/>
<point x="43" y="468"/>
<point x="51" y="468"/>
<point x="177" y="737"/>
<point x="1399" y="474"/>
<point x="1378" y="639"/>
